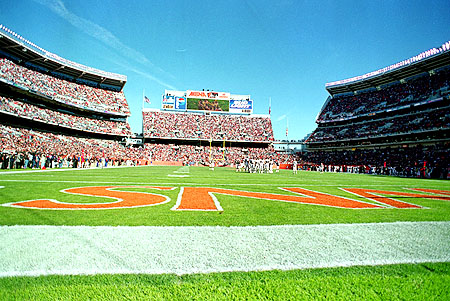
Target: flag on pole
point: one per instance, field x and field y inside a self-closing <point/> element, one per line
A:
<point x="287" y="126"/>
<point x="146" y="99"/>
<point x="270" y="103"/>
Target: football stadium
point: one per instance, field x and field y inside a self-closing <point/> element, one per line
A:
<point x="202" y="205"/>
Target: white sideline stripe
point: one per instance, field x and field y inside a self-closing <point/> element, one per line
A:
<point x="18" y="171"/>
<point x="64" y="250"/>
<point x="298" y="184"/>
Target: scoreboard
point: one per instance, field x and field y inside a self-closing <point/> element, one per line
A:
<point x="192" y="100"/>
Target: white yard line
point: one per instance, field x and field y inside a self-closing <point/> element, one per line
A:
<point x="184" y="170"/>
<point x="62" y="250"/>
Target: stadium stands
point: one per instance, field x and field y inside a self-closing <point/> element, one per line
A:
<point x="421" y="161"/>
<point x="19" y="145"/>
<point x="200" y="126"/>
<point x="395" y="121"/>
<point x="22" y="148"/>
<point x="430" y="119"/>
<point x="33" y="112"/>
<point x="423" y="87"/>
<point x="78" y="95"/>
<point x="55" y="102"/>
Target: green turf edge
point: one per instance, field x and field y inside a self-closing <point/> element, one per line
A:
<point x="426" y="281"/>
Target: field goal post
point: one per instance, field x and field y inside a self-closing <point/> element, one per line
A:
<point x="211" y="154"/>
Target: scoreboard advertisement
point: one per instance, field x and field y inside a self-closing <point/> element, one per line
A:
<point x="207" y="101"/>
<point x="241" y="105"/>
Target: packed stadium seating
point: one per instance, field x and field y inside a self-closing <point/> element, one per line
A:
<point x="159" y="124"/>
<point x="392" y="124"/>
<point x="19" y="144"/>
<point x="422" y="121"/>
<point x="421" y="88"/>
<point x="194" y="155"/>
<point x="48" y="116"/>
<point x="425" y="161"/>
<point x="61" y="90"/>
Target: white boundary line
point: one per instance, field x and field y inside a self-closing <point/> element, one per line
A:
<point x="208" y="185"/>
<point x="18" y="171"/>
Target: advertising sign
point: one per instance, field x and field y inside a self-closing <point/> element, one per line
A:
<point x="168" y="102"/>
<point x="241" y="106"/>
<point x="180" y="103"/>
<point x="169" y="99"/>
<point x="207" y="101"/>
<point x="207" y="95"/>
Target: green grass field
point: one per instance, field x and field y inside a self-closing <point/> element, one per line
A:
<point x="413" y="280"/>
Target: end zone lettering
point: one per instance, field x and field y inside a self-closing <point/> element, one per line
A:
<point x="204" y="198"/>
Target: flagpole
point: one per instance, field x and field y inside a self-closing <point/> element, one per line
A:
<point x="270" y="104"/>
<point x="143" y="95"/>
<point x="287" y="135"/>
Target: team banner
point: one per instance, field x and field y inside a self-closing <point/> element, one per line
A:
<point x="241" y="106"/>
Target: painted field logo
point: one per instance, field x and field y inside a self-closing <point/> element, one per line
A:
<point x="204" y="198"/>
<point x="124" y="199"/>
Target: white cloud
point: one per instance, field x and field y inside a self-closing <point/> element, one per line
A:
<point x="102" y="34"/>
<point x="282" y="117"/>
<point x="147" y="75"/>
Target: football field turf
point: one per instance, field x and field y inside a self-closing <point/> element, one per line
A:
<point x="188" y="232"/>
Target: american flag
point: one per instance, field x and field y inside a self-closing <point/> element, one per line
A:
<point x="146" y="99"/>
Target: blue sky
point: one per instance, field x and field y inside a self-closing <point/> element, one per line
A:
<point x="284" y="49"/>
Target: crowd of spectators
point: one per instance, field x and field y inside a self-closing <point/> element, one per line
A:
<point x="21" y="143"/>
<point x="203" y="155"/>
<point x="18" y="146"/>
<point x="432" y="161"/>
<point x="62" y="119"/>
<point x="432" y="119"/>
<point x="415" y="90"/>
<point x="159" y="124"/>
<point x="24" y="148"/>
<point x="80" y="95"/>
